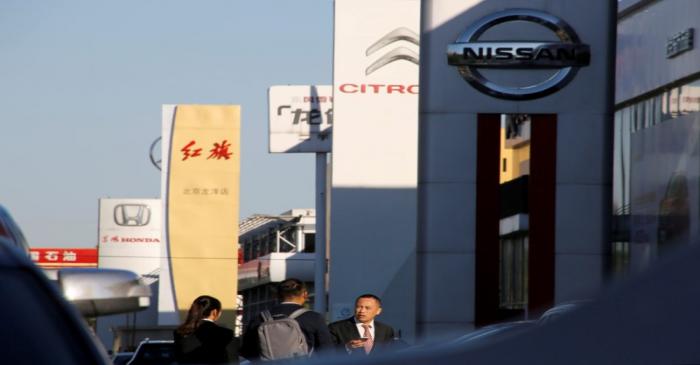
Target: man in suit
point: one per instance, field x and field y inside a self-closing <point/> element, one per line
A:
<point x="361" y="334"/>
<point x="292" y="294"/>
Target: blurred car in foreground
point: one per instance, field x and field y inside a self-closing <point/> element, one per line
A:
<point x="42" y="322"/>
<point x="500" y="331"/>
<point x="559" y="310"/>
<point x="492" y="333"/>
<point x="121" y="358"/>
<point x="154" y="352"/>
<point x="480" y="337"/>
<point x="39" y="326"/>
<point x="11" y="232"/>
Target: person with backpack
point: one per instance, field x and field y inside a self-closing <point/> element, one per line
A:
<point x="286" y="330"/>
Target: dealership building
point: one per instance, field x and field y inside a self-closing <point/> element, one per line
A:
<point x="556" y="150"/>
<point x="657" y="129"/>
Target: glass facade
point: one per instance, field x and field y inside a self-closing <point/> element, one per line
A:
<point x="655" y="179"/>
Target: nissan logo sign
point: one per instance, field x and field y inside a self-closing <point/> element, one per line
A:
<point x="566" y="55"/>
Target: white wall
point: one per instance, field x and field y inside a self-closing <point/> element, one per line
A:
<point x="374" y="162"/>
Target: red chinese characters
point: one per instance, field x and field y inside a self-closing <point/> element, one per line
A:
<point x="48" y="258"/>
<point x="220" y="151"/>
<point x="187" y="152"/>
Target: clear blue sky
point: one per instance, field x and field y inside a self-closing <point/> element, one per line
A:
<point x="81" y="88"/>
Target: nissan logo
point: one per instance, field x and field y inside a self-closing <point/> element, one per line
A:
<point x="567" y="55"/>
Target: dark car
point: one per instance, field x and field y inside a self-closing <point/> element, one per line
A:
<point x="38" y="325"/>
<point x="10" y="231"/>
<point x="154" y="352"/>
<point x="121" y="358"/>
<point x="42" y="321"/>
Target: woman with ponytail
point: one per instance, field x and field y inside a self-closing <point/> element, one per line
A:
<point x="200" y="340"/>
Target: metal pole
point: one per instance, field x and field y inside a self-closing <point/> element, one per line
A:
<point x="320" y="244"/>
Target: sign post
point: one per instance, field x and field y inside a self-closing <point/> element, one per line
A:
<point x="301" y="118"/>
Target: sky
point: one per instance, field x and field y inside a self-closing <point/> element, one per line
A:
<point x="82" y="83"/>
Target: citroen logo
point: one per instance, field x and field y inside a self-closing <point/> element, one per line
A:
<point x="566" y="56"/>
<point x="399" y="53"/>
<point x="134" y="215"/>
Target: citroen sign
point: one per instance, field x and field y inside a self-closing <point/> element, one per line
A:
<point x="565" y="56"/>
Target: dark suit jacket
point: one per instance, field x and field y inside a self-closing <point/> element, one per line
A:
<point x="311" y="323"/>
<point x="209" y="344"/>
<point x="345" y="330"/>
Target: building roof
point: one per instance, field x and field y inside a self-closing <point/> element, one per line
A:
<point x="258" y="220"/>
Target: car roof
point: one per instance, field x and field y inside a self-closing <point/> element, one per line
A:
<point x="10" y="230"/>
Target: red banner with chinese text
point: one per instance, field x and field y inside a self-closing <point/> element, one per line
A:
<point x="64" y="257"/>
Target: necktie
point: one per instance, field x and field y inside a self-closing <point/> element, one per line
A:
<point x="370" y="342"/>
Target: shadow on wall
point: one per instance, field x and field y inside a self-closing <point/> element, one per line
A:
<point x="371" y="255"/>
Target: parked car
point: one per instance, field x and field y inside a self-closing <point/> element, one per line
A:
<point x="480" y="337"/>
<point x="496" y="332"/>
<point x="559" y="310"/>
<point x="121" y="358"/>
<point x="154" y="352"/>
<point x="492" y="333"/>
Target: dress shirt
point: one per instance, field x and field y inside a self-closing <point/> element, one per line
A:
<point x="361" y="329"/>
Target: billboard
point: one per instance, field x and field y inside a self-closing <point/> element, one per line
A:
<point x="375" y="157"/>
<point x="130" y="234"/>
<point x="200" y="187"/>
<point x="56" y="258"/>
<point x="300" y="117"/>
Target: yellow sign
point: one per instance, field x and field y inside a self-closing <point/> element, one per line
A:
<point x="203" y="203"/>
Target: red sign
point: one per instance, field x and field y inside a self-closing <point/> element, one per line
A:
<point x="64" y="257"/>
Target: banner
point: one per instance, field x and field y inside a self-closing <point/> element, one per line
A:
<point x="56" y="258"/>
<point x="201" y="200"/>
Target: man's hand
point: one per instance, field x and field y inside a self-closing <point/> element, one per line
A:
<point x="354" y="344"/>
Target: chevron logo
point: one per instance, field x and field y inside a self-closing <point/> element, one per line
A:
<point x="398" y="53"/>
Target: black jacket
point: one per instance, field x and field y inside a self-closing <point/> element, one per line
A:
<point x="345" y="330"/>
<point x="209" y="344"/>
<point x="311" y="323"/>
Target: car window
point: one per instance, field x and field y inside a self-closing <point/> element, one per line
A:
<point x="154" y="353"/>
<point x="122" y="358"/>
<point x="35" y="329"/>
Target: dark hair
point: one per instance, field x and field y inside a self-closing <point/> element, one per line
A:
<point x="201" y="308"/>
<point x="371" y="296"/>
<point x="290" y="288"/>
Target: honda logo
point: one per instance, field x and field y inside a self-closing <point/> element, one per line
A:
<point x="398" y="53"/>
<point x="133" y="215"/>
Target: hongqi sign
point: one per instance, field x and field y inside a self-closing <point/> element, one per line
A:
<point x="217" y="152"/>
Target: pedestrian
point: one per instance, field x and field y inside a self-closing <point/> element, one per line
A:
<point x="199" y="340"/>
<point x="361" y="334"/>
<point x="292" y="295"/>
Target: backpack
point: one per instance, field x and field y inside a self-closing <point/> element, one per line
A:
<point x="280" y="337"/>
